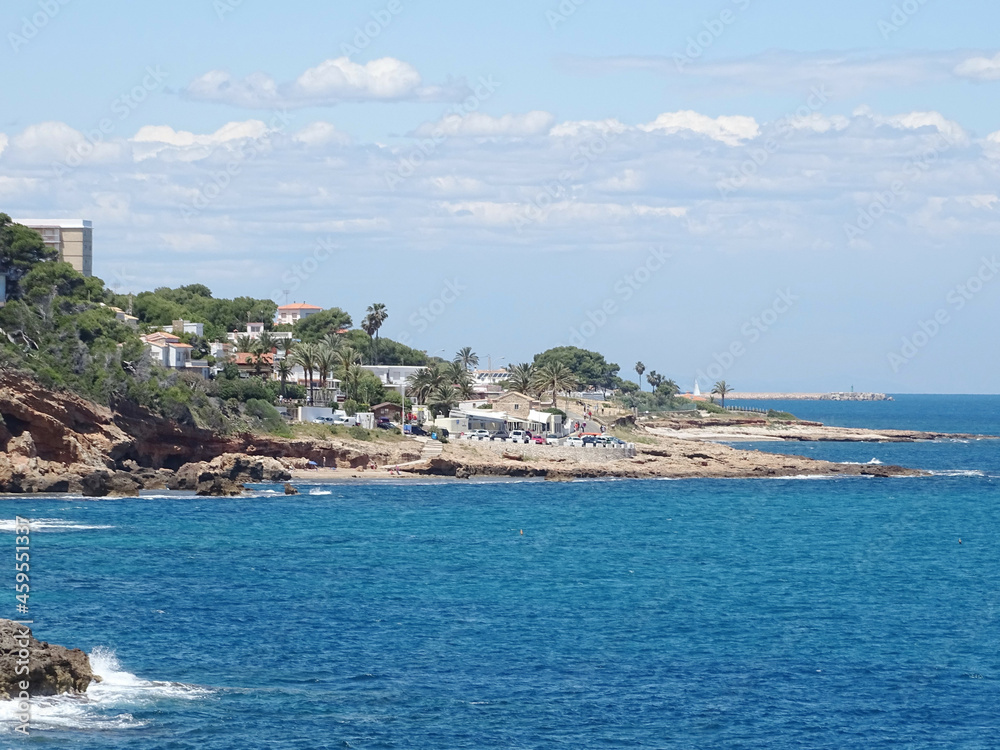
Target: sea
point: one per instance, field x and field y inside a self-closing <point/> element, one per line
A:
<point x="852" y="612"/>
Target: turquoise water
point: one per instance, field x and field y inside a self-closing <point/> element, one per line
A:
<point x="800" y="613"/>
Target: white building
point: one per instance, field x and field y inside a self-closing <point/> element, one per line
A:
<point x="73" y="239"/>
<point x="255" y="330"/>
<point x="292" y="314"/>
<point x="172" y="354"/>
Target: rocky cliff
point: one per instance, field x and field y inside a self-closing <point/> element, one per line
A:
<point x="57" y="442"/>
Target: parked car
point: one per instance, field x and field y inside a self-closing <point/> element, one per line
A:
<point x="500" y="435"/>
<point x="539" y="440"/>
<point x="552" y="439"/>
<point x="520" y="436"/>
<point x="324" y="420"/>
<point x="480" y="435"/>
<point x="416" y="429"/>
<point x="384" y="423"/>
<point x="574" y="442"/>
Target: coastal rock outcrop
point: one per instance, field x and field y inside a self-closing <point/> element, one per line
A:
<point x="51" y="670"/>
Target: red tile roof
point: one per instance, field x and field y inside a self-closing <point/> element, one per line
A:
<point x="299" y="306"/>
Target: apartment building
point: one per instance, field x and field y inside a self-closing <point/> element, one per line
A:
<point x="72" y="238"/>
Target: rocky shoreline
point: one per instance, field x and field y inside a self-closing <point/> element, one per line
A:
<point x="667" y="459"/>
<point x="52" y="442"/>
<point x="35" y="668"/>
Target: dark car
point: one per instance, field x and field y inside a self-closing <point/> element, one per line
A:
<point x="417" y="430"/>
<point x="592" y="440"/>
<point x="384" y="423"/>
<point x="500" y="435"/>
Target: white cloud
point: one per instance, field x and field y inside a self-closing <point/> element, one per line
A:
<point x="3" y="143"/>
<point x="731" y="130"/>
<point x="917" y="120"/>
<point x="628" y="181"/>
<point x="818" y="123"/>
<point x="154" y="140"/>
<point x="477" y="124"/>
<point x="331" y="82"/>
<point x="318" y="134"/>
<point x="980" y="68"/>
<point x="187" y="242"/>
<point x="49" y="142"/>
<point x="575" y="129"/>
<point x="987" y="201"/>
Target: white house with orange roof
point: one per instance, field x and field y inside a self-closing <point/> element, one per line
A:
<point x="293" y="313"/>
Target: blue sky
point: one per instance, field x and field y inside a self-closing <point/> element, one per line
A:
<point x="645" y="180"/>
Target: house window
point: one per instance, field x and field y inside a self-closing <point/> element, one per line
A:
<point x="516" y="407"/>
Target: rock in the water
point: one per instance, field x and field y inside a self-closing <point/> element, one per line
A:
<point x="51" y="670"/>
<point x="290" y="490"/>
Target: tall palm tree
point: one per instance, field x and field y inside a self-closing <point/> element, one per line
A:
<point x="554" y="377"/>
<point x="722" y="388"/>
<point x="353" y="380"/>
<point x="284" y="372"/>
<point x="332" y="340"/>
<point x="460" y="377"/>
<point x="373" y="321"/>
<point x="640" y="368"/>
<point x="443" y="399"/>
<point x="346" y="356"/>
<point x="654" y="379"/>
<point x="305" y="356"/>
<point x="284" y="346"/>
<point x="327" y="362"/>
<point x="520" y="377"/>
<point x="467" y="357"/>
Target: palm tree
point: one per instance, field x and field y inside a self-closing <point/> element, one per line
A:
<point x="520" y="377"/>
<point x="722" y="388"/>
<point x="467" y="357"/>
<point x="353" y="380"/>
<point x="554" y="377"/>
<point x="284" y="372"/>
<point x="443" y="399"/>
<point x="422" y="382"/>
<point x="327" y="362"/>
<point x="654" y="379"/>
<point x="346" y="356"/>
<point x="373" y="321"/>
<point x="640" y="368"/>
<point x="244" y="344"/>
<point x="305" y="355"/>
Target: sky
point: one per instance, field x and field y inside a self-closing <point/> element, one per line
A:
<point x="788" y="196"/>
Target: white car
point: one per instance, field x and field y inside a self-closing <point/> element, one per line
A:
<point x="324" y="420"/>
<point x="574" y="442"/>
<point x="520" y="436"/>
<point x="479" y="435"/>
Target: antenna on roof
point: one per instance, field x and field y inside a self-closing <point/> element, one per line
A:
<point x="286" y="295"/>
